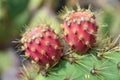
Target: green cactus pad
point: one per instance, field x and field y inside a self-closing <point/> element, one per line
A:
<point x="87" y="67"/>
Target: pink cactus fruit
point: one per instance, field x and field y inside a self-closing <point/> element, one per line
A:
<point x="42" y="45"/>
<point x="80" y="30"/>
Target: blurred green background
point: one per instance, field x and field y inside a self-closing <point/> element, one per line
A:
<point x="17" y="15"/>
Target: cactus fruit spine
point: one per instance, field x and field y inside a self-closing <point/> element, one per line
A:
<point x="42" y="44"/>
<point x="80" y="29"/>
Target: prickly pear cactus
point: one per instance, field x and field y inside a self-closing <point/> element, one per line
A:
<point x="98" y="63"/>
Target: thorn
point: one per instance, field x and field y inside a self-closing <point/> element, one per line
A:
<point x="27" y="54"/>
<point x="65" y="34"/>
<point x="33" y="49"/>
<point x="33" y="37"/>
<point x="53" y="58"/>
<point x="67" y="19"/>
<point x="37" y="41"/>
<point x="66" y="9"/>
<point x="28" y="40"/>
<point x="78" y="7"/>
<point x="36" y="59"/>
<point x="82" y="10"/>
<point x="91" y="32"/>
<point x="85" y="27"/>
<point x="25" y="45"/>
<point x="56" y="47"/>
<point x="69" y="24"/>
<point x="80" y="37"/>
<point x="87" y="43"/>
<point x="22" y="48"/>
<point x="82" y="19"/>
<point x="74" y="31"/>
<point x="100" y="55"/>
<point x="47" y="65"/>
<point x="92" y="20"/>
<point x="89" y="7"/>
<point x="40" y="35"/>
<point x="74" y="20"/>
<point x="47" y="27"/>
<point x="44" y="30"/>
<point x="87" y="19"/>
<point x="47" y="34"/>
<point x="25" y="40"/>
<point x="33" y="62"/>
<point x="94" y="71"/>
<point x="22" y="40"/>
<point x="55" y="36"/>
<point x="47" y="43"/>
<point x="78" y="21"/>
<point x="43" y="52"/>
<point x="71" y="44"/>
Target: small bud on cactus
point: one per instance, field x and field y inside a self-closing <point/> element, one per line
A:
<point x="42" y="45"/>
<point x="79" y="30"/>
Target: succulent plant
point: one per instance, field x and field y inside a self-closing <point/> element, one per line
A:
<point x="87" y="67"/>
<point x="98" y="63"/>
